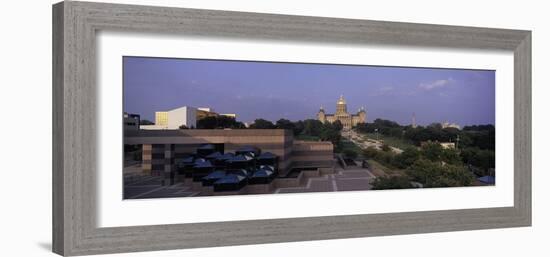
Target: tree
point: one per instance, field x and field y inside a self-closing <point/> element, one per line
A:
<point x="453" y="176"/>
<point x="483" y="139"/>
<point x="487" y="127"/>
<point x="363" y="127"/>
<point x="406" y="158"/>
<point x="183" y="127"/>
<point x="298" y="127"/>
<point x="219" y="122"/>
<point x="396" y="132"/>
<point x="329" y="133"/>
<point x="386" y="158"/>
<point x="465" y="140"/>
<point x="285" y="124"/>
<point x="484" y="159"/>
<point x="451" y="156"/>
<point x="262" y="124"/>
<point x="312" y="127"/>
<point x="382" y="126"/>
<point x="393" y="182"/>
<point x="435" y="126"/>
<point x="433" y="151"/>
<point x="210" y="122"/>
<point x="146" y="122"/>
<point x="349" y="153"/>
<point x="436" y="174"/>
<point x="338" y="125"/>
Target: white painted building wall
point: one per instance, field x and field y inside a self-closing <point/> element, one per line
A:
<point x="185" y="115"/>
<point x="182" y="116"/>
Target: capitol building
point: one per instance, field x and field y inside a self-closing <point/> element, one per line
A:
<point x="348" y="120"/>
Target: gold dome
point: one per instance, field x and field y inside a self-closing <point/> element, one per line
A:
<point x="341" y="100"/>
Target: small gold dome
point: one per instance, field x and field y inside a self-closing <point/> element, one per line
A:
<point x="341" y="100"/>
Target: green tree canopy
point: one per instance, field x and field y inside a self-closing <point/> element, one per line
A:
<point x="433" y="151"/>
<point x="146" y="122"/>
<point x="219" y="122"/>
<point x="484" y="159"/>
<point x="349" y="153"/>
<point x="436" y="174"/>
<point x="393" y="182"/>
<point x="406" y="158"/>
<point x="312" y="127"/>
<point x="262" y="124"/>
<point x="285" y="124"/>
<point x="337" y="125"/>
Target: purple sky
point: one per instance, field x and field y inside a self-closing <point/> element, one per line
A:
<point x="296" y="91"/>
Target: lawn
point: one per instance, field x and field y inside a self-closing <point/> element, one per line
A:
<point x="391" y="141"/>
<point x="346" y="145"/>
<point x="380" y="170"/>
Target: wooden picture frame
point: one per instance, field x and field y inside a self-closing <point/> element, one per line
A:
<point x="74" y="132"/>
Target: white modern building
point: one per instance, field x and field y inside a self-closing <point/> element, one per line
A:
<point x="446" y="124"/>
<point x="175" y="118"/>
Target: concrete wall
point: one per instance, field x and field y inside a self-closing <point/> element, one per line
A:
<point x="306" y="154"/>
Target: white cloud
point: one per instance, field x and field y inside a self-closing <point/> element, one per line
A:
<point x="385" y="89"/>
<point x="441" y="83"/>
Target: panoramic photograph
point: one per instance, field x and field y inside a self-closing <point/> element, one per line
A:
<point x="198" y="127"/>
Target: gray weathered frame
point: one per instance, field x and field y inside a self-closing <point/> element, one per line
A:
<point x="74" y="110"/>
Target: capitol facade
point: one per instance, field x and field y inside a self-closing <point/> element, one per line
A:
<point x="348" y="120"/>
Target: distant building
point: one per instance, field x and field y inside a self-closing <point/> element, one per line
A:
<point x="446" y="124"/>
<point x="447" y="145"/>
<point x="131" y="121"/>
<point x="173" y="119"/>
<point x="413" y="123"/>
<point x="444" y="145"/>
<point x="205" y="109"/>
<point x="203" y="112"/>
<point x="348" y="120"/>
<point x="186" y="115"/>
<point x="230" y="115"/>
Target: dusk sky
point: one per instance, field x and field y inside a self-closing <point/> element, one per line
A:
<point x="296" y="91"/>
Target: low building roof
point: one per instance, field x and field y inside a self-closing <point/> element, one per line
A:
<point x="204" y="164"/>
<point x="267" y="155"/>
<point x="262" y="173"/>
<point x="230" y="179"/>
<point x="216" y="174"/>
<point x="241" y="158"/>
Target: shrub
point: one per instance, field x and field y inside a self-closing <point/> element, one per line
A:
<point x="395" y="182"/>
<point x="370" y="152"/>
<point x="349" y="153"/>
